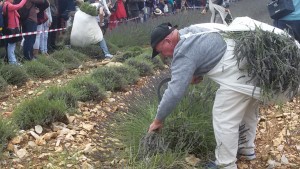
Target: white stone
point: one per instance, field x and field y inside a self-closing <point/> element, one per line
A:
<point x="34" y="135"/>
<point x="88" y="127"/>
<point x="88" y="148"/>
<point x="31" y="144"/>
<point x="38" y="129"/>
<point x="284" y="160"/>
<point x="21" y="153"/>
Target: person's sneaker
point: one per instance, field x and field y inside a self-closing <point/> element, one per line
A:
<point x="210" y="165"/>
<point x="109" y="56"/>
<point x="247" y="157"/>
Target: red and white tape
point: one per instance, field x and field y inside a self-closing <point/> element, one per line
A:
<point x="30" y="33"/>
<point x="124" y="20"/>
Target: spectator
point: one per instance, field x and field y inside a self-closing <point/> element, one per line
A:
<point x="133" y="8"/>
<point x="103" y="11"/>
<point x="13" y="27"/>
<point x="44" y="35"/>
<point x="291" y="22"/>
<point x="65" y="7"/>
<point x="149" y="6"/>
<point x="219" y="10"/>
<point x="54" y="24"/>
<point x="118" y="13"/>
<point x="161" y="5"/>
<point x="30" y="25"/>
<point x="41" y="19"/>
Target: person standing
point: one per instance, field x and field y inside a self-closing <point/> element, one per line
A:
<point x="30" y="25"/>
<point x="44" y="35"/>
<point x="54" y="25"/>
<point x="198" y="51"/>
<point x="219" y="10"/>
<point x="291" y="22"/>
<point x="13" y="27"/>
<point x="102" y="7"/>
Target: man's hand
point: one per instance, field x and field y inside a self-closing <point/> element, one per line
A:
<point x="155" y="126"/>
<point x="203" y="11"/>
<point x="196" y="79"/>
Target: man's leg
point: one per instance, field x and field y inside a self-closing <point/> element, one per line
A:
<point x="248" y="131"/>
<point x="228" y="111"/>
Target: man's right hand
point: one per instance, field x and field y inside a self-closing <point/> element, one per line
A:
<point x="155" y="126"/>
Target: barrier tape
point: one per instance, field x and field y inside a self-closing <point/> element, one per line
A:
<point x="124" y="20"/>
<point x="30" y="33"/>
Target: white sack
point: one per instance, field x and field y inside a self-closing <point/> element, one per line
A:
<point x="85" y="30"/>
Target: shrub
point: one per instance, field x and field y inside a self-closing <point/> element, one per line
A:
<point x="3" y="84"/>
<point x="123" y="57"/>
<point x="112" y="47"/>
<point x="135" y="34"/>
<point x="92" y="51"/>
<point x="14" y="75"/>
<point x="65" y="56"/>
<point x="55" y="66"/>
<point x="128" y="72"/>
<point x="109" y="78"/>
<point x="88" y="9"/>
<point x="137" y="50"/>
<point x="39" y="111"/>
<point x="145" y="67"/>
<point x="37" y="69"/>
<point x="8" y="130"/>
<point x="187" y="130"/>
<point x="80" y="56"/>
<point x="87" y="90"/>
<point x="65" y="94"/>
<point x="156" y="61"/>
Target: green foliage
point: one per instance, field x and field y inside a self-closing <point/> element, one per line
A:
<point x="128" y="72"/>
<point x="187" y="130"/>
<point x="13" y="74"/>
<point x="270" y="61"/>
<point x="80" y="56"/>
<point x="123" y="57"/>
<point x="40" y="111"/>
<point x="136" y="34"/>
<point x="66" y="56"/>
<point x="92" y="51"/>
<point x="157" y="62"/>
<point x="3" y="84"/>
<point x="145" y="67"/>
<point x="137" y="50"/>
<point x="88" y="9"/>
<point x="65" y="94"/>
<point x="55" y="66"/>
<point x="86" y="89"/>
<point x="8" y="130"/>
<point x="36" y="69"/>
<point x="112" y="47"/>
<point x="109" y="78"/>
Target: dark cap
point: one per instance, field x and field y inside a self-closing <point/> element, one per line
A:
<point x="158" y="34"/>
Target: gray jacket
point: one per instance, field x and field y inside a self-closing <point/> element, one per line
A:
<point x="195" y="55"/>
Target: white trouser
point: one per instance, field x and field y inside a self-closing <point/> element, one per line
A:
<point x="234" y="106"/>
<point x="232" y="110"/>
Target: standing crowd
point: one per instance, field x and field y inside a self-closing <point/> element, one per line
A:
<point x="24" y="16"/>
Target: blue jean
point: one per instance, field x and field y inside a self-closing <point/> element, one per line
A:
<point x="104" y="47"/>
<point x="293" y="27"/>
<point x="29" y="26"/>
<point x="44" y="38"/>
<point x="11" y="53"/>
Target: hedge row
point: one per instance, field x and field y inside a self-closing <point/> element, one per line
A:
<point x="56" y="102"/>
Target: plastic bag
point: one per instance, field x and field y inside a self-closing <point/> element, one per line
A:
<point x="85" y="30"/>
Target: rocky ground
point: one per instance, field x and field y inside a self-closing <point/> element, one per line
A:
<point x="73" y="145"/>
